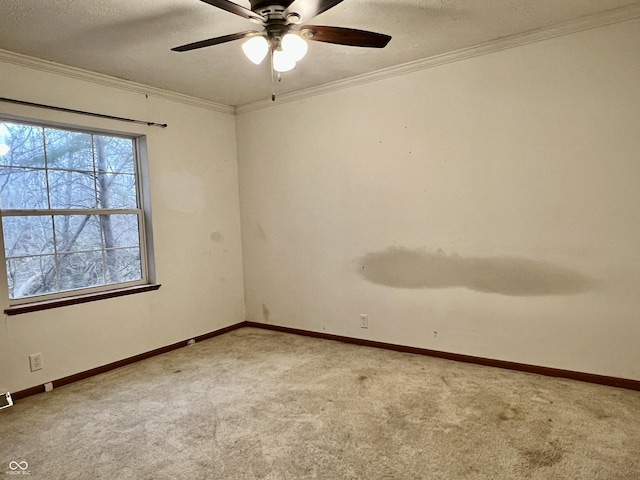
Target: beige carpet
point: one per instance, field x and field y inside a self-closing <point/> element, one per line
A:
<point x="257" y="404"/>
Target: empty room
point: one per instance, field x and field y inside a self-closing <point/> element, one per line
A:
<point x="300" y="239"/>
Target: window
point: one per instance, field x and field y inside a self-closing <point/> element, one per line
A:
<point x="72" y="215"/>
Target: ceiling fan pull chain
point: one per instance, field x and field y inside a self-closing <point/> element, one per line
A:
<point x="273" y="83"/>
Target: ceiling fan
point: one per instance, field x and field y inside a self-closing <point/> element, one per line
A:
<point x="283" y="36"/>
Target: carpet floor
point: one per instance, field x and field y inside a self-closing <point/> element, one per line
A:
<point x="258" y="404"/>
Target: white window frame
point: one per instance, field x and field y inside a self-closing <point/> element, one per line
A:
<point x="141" y="172"/>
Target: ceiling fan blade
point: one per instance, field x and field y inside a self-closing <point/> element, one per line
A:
<point x="345" y="36"/>
<point x="236" y="9"/>
<point x="213" y="41"/>
<point x="302" y="10"/>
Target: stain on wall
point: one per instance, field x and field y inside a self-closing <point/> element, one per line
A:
<point x="265" y="313"/>
<point x="261" y="233"/>
<point x="216" y="237"/>
<point x="515" y="276"/>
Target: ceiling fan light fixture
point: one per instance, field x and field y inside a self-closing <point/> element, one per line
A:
<point x="256" y="49"/>
<point x="294" y="46"/>
<point x="293" y="17"/>
<point x="282" y="62"/>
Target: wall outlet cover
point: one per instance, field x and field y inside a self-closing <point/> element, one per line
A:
<point x="5" y="400"/>
<point x="35" y="361"/>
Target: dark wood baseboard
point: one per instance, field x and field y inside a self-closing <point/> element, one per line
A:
<point x="521" y="367"/>
<point x="121" y="363"/>
<point x="27" y="392"/>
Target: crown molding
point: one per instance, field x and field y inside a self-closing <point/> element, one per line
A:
<point x="585" y="23"/>
<point x="106" y="80"/>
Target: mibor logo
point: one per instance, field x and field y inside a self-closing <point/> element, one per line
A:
<point x="18" y="468"/>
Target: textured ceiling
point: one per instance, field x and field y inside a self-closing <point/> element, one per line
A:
<point x="132" y="39"/>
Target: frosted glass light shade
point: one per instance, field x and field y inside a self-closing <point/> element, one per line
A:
<point x="294" y="46"/>
<point x="256" y="49"/>
<point x="282" y="62"/>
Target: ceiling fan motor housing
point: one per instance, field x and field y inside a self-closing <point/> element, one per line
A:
<point x="259" y="5"/>
<point x="276" y="26"/>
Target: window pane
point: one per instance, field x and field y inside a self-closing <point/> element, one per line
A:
<point x="31" y="276"/>
<point x="69" y="150"/>
<point x="123" y="265"/>
<point x="22" y="188"/>
<point x="80" y="270"/>
<point x="120" y="230"/>
<point x="71" y="190"/>
<point x="117" y="191"/>
<point x="22" y="145"/>
<point x="77" y="232"/>
<point x="114" y="154"/>
<point x="27" y="235"/>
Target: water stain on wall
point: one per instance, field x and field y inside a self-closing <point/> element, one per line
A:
<point x="515" y="276"/>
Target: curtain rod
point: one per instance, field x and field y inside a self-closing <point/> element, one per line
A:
<point x="81" y="112"/>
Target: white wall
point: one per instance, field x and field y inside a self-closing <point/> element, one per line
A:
<point x="506" y="185"/>
<point x="194" y="190"/>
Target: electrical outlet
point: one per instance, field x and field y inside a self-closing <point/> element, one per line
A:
<point x="364" y="320"/>
<point x="35" y="360"/>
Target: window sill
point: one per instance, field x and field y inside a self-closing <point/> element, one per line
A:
<point x="77" y="299"/>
